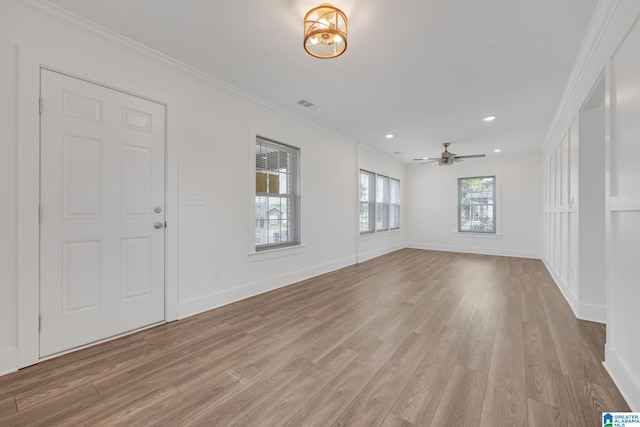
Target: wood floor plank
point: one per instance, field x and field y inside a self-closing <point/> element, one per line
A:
<point x="461" y="404"/>
<point x="505" y="401"/>
<point x="143" y="410"/>
<point x="8" y="406"/>
<point x="233" y="408"/>
<point x="478" y="342"/>
<point x="393" y="420"/>
<point x="303" y="389"/>
<point x="407" y="322"/>
<point x="543" y="373"/>
<point x="421" y="396"/>
<point x="371" y="405"/>
<point x="373" y="330"/>
<point x="579" y="362"/>
<point x="55" y="410"/>
<point x="543" y="415"/>
<point x="336" y="396"/>
<point x="463" y="314"/>
<point x="411" y="338"/>
<point x="588" y="401"/>
<point x="331" y="336"/>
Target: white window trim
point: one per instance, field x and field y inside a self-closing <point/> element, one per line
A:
<point x="395" y="204"/>
<point x="497" y="201"/>
<point x="473" y="235"/>
<point x="371" y="202"/>
<point x="277" y="251"/>
<point x="375" y="231"/>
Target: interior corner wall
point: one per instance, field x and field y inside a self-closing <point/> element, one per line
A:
<point x="374" y="245"/>
<point x="612" y="46"/>
<point x="214" y="132"/>
<point x="432" y="206"/>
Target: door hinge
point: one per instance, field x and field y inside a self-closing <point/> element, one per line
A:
<point x="39" y="323"/>
<point x="165" y="224"/>
<point x="40" y="214"/>
<point x="40" y="105"/>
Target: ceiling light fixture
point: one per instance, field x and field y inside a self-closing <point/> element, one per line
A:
<point x="489" y="119"/>
<point x="497" y="150"/>
<point x="389" y="135"/>
<point x="325" y="31"/>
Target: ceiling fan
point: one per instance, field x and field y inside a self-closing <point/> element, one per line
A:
<point x="447" y="158"/>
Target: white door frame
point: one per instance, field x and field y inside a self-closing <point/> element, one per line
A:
<point x="30" y="63"/>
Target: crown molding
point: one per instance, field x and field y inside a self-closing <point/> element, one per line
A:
<point x="597" y="27"/>
<point x="57" y="15"/>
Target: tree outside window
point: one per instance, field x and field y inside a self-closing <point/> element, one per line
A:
<point x="476" y="204"/>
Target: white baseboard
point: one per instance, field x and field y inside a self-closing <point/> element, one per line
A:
<point x="8" y="361"/>
<point x="568" y="295"/>
<point x="628" y="385"/>
<point x="583" y="311"/>
<point x="362" y="257"/>
<point x="474" y="250"/>
<point x="211" y="301"/>
<point x="593" y="313"/>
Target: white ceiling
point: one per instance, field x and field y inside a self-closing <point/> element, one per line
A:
<point x="427" y="71"/>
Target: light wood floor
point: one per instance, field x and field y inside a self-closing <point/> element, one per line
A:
<point x="411" y="338"/>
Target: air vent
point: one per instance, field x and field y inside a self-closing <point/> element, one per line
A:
<point x="305" y="103"/>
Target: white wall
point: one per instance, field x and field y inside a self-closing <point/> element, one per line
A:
<point x="214" y="138"/>
<point x="432" y="206"/>
<point x="611" y="46"/>
<point x="373" y="245"/>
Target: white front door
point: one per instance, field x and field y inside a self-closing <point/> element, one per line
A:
<point x="102" y="197"/>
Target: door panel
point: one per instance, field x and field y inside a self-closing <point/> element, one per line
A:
<point x="102" y="175"/>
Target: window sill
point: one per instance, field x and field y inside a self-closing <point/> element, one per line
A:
<point x="476" y="235"/>
<point x="378" y="234"/>
<point x="276" y="253"/>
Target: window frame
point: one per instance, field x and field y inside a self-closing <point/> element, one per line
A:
<point x="382" y="203"/>
<point x="377" y="204"/>
<point x="394" y="206"/>
<point x="370" y="202"/>
<point x="493" y="204"/>
<point x="292" y="195"/>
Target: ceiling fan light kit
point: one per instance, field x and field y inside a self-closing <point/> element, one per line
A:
<point x="447" y="158"/>
<point x="325" y="31"/>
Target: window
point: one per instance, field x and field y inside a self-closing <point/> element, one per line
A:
<point x="476" y="204"/>
<point x="382" y="203"/>
<point x="367" y="201"/>
<point x="379" y="203"/>
<point x="277" y="201"/>
<point x="394" y="204"/>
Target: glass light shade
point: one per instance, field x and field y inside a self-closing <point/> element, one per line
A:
<point x="325" y="31"/>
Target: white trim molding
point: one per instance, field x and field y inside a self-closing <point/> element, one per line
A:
<point x="628" y="385"/>
<point x="228" y="296"/>
<point x="475" y="250"/>
<point x="8" y="361"/>
<point x="90" y="29"/>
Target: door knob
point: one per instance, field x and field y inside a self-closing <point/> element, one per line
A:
<point x="157" y="225"/>
<point x="157" y="209"/>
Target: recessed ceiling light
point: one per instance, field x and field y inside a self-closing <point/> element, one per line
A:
<point x="389" y="135"/>
<point x="489" y="119"/>
<point x="497" y="150"/>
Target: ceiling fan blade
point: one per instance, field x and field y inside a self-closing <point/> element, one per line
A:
<point x="470" y="156"/>
<point x="430" y="161"/>
<point x="424" y="158"/>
